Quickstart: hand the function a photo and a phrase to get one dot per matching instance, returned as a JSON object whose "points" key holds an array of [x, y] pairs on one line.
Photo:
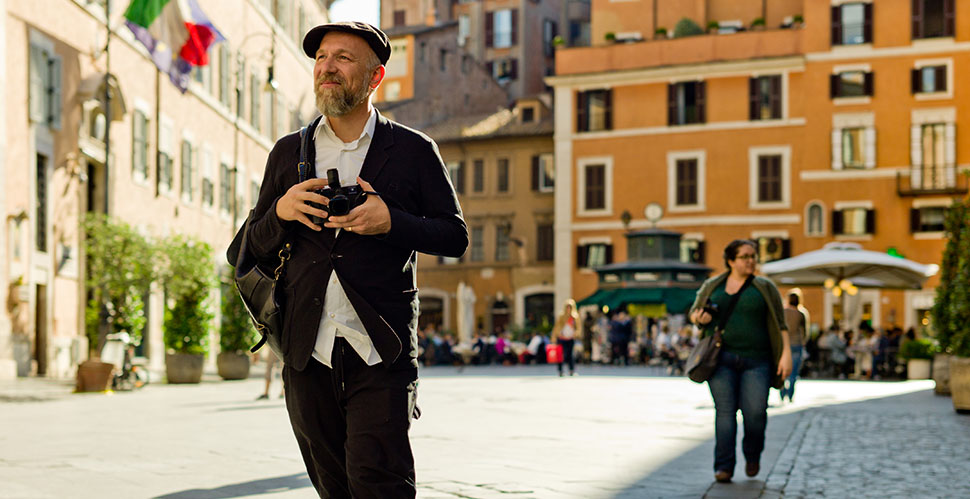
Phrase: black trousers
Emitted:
{"points": [[351, 423]]}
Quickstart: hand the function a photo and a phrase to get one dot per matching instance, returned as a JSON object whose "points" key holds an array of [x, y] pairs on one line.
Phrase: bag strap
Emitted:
{"points": [[303, 167], [734, 301]]}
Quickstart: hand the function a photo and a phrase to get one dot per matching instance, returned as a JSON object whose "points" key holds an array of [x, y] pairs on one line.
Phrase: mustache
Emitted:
{"points": [[330, 78]]}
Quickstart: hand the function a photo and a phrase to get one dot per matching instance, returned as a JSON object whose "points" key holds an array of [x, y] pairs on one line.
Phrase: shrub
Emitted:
{"points": [[660, 31], [758, 21], [944, 327], [687, 27], [713, 25], [610, 36], [188, 276], [797, 19], [959, 306], [236, 332], [921, 348]]}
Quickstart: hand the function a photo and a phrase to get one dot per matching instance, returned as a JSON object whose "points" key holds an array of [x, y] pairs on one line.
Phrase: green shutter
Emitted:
{"points": [[38, 67], [54, 105]]}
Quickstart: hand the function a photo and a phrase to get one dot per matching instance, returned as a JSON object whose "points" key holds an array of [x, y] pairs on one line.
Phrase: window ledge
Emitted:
{"points": [[937, 41], [928, 235], [770, 206], [851, 101], [593, 213], [934, 96], [686, 209], [853, 237]]}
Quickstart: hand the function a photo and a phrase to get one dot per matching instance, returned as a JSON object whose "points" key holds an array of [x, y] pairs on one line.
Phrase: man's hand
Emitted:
{"points": [[292, 206], [370, 218]]}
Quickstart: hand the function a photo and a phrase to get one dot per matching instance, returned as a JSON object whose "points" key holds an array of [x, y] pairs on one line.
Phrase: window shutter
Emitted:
{"points": [[515, 26], [609, 254], [776, 97], [701, 92], [915, 154], [835, 86], [490, 68], [867, 26], [916, 85], [914, 220], [608, 108], [489, 29], [837, 25], [950, 149], [38, 66], [870, 221], [868, 84], [582, 118], [753, 101], [940, 77], [949, 17], [837, 149], [785, 248], [672, 103], [514, 69], [535, 173], [837, 221], [54, 93], [700, 252], [870, 137], [917, 19], [582, 251], [460, 178]]}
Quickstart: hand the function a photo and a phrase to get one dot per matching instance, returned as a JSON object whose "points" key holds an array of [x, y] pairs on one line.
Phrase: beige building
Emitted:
{"points": [[176, 163]]}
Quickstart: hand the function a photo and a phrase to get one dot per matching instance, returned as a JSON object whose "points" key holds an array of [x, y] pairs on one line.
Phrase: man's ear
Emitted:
{"points": [[377, 77]]}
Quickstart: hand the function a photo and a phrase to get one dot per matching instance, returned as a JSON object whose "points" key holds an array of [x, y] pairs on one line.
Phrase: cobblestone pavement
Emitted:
{"points": [[494, 432]]}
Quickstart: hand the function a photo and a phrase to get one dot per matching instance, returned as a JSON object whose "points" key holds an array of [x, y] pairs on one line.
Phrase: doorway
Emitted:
{"points": [[40, 330]]}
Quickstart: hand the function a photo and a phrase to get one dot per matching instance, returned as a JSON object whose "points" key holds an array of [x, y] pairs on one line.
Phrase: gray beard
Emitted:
{"points": [[339, 101]]}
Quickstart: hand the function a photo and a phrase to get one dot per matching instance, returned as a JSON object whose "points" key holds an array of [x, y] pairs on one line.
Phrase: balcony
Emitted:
{"points": [[679, 51], [927, 181]]}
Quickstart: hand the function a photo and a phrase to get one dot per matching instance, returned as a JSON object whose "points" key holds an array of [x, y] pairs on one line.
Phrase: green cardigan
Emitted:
{"points": [[776, 322]]}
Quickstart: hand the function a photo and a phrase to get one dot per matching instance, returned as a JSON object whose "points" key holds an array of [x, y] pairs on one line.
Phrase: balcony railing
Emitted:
{"points": [[929, 180]]}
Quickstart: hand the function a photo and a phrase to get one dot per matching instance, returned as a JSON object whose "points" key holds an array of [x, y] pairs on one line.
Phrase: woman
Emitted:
{"points": [[795, 321], [755, 355], [564, 333]]}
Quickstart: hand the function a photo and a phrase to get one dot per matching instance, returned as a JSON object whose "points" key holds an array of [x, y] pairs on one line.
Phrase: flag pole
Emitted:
{"points": [[107, 102], [158, 131]]}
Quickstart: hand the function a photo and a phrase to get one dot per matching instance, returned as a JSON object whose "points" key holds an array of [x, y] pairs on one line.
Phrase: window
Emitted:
{"points": [[422, 52], [933, 155], [504, 70], [528, 114], [814, 218], [225, 188], [540, 310], [392, 91], [544, 243], [501, 28], [188, 171], [692, 251], [139, 146], [400, 18], [40, 208], [254, 102], [769, 179], [443, 60], [852, 24], [595, 195], [686, 182], [45, 87], [933, 18], [592, 255], [773, 248], [765, 98], [477, 253], [397, 64], [456, 169], [853, 147], [253, 193], [464, 29], [929, 79], [543, 173], [223, 74], [478, 176], [207, 186], [240, 86], [594, 110], [549, 32], [503, 175], [927, 219], [851, 84], [502, 242], [853, 221], [685, 103], [466, 64], [163, 179]]}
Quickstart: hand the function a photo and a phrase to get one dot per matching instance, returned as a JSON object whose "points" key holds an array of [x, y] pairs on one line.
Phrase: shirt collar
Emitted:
{"points": [[368, 131]]}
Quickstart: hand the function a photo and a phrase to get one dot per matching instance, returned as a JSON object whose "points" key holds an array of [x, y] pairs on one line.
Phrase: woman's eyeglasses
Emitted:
{"points": [[750, 256]]}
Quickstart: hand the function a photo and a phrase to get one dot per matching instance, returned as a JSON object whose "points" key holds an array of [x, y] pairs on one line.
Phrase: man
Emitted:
{"points": [[349, 293]]}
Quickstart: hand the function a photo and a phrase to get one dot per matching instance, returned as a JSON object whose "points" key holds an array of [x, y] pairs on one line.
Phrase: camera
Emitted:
{"points": [[342, 198], [711, 309]]}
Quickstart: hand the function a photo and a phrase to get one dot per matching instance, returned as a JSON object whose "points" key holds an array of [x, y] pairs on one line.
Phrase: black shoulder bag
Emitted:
{"points": [[702, 361], [256, 287]]}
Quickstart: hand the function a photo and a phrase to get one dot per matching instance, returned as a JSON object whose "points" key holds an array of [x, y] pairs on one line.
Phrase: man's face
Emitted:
{"points": [[342, 79]]}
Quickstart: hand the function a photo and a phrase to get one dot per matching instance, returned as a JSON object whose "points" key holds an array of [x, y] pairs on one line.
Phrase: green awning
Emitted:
{"points": [[677, 300]]}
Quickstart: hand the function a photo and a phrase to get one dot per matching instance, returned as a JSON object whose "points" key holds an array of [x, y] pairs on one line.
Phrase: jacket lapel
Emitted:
{"points": [[377, 155]]}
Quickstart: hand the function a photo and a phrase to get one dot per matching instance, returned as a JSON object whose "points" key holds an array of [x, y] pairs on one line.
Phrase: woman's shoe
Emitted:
{"points": [[722, 476]]}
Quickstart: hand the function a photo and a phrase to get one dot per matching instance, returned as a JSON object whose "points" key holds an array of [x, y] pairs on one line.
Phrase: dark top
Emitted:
{"points": [[746, 332]]}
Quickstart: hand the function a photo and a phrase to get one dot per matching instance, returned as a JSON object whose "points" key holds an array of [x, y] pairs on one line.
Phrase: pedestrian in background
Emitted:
{"points": [[564, 333], [271, 362], [621, 329], [755, 355], [795, 320]]}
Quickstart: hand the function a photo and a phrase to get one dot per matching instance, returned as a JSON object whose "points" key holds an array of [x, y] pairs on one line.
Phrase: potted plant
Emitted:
{"points": [[713, 26], [558, 41], [943, 327], [959, 318], [119, 269], [236, 334], [188, 276], [797, 21], [687, 27], [660, 33], [610, 37], [918, 354], [758, 24]]}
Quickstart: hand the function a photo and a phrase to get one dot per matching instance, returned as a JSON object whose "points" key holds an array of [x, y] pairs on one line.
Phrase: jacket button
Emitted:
{"points": [[316, 301]]}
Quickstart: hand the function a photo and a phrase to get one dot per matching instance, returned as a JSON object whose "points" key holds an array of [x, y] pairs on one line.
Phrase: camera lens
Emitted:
{"points": [[339, 205]]}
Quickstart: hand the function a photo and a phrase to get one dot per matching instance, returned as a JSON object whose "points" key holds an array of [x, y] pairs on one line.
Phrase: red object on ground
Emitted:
{"points": [[554, 354]]}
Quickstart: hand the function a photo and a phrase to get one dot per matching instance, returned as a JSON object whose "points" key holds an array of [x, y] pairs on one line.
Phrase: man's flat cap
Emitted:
{"points": [[373, 36]]}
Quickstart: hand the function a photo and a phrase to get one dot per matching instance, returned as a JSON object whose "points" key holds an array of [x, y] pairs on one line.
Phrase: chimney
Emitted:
{"points": [[431, 19]]}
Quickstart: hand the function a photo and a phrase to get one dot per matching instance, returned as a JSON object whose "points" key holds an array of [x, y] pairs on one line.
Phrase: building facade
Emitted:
{"points": [[159, 160], [794, 123]]}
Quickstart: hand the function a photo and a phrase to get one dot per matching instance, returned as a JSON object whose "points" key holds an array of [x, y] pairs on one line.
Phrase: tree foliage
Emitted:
{"points": [[959, 301], [944, 325], [187, 275], [687, 27]]}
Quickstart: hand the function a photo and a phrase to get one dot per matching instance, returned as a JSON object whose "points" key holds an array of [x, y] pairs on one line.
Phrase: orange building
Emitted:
{"points": [[794, 123]]}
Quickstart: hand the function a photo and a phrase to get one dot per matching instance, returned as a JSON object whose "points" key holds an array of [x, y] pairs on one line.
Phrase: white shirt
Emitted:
{"points": [[339, 317]]}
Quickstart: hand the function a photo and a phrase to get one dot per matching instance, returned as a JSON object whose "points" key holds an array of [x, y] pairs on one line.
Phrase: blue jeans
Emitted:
{"points": [[788, 390], [739, 383]]}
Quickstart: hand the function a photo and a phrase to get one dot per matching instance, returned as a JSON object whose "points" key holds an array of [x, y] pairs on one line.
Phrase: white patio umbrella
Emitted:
{"points": [[839, 261]]}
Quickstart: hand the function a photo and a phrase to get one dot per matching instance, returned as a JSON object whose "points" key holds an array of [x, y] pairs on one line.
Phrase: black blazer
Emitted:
{"points": [[378, 273]]}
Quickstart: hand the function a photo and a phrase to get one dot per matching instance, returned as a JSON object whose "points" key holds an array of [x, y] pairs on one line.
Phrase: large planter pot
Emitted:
{"points": [[960, 383], [183, 367], [918, 369], [93, 376], [941, 373], [232, 365]]}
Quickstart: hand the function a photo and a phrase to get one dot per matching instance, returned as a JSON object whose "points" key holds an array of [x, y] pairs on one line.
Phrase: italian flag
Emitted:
{"points": [[176, 33]]}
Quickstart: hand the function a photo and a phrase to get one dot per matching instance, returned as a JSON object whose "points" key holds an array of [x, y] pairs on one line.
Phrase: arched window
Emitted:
{"points": [[814, 219]]}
